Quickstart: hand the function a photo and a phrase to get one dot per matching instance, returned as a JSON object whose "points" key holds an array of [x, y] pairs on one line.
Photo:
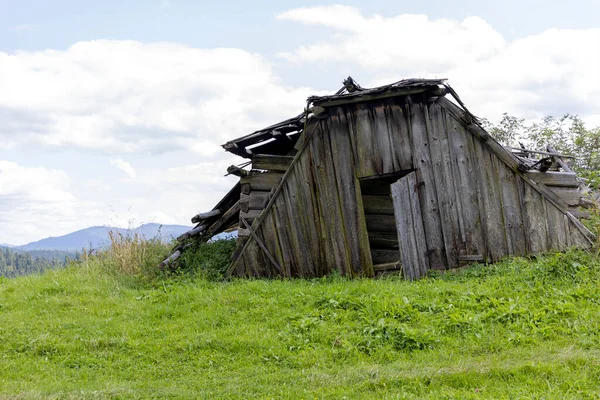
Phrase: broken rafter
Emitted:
{"points": [[193, 232], [546, 153], [557, 156], [203, 216], [173, 257], [237, 171]]}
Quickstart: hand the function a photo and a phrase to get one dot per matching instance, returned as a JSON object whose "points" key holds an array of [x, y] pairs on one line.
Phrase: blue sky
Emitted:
{"points": [[112, 112]]}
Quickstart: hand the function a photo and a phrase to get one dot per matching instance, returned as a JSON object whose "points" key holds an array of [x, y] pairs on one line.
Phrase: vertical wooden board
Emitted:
{"points": [[366, 149], [490, 206], [578, 239], [481, 160], [349, 197], [382, 139], [271, 242], [251, 259], [349, 116], [515, 229], [398, 128], [240, 269], [534, 216], [552, 234], [467, 188], [567, 228], [320, 206], [497, 210], [281, 226], [427, 192], [558, 226], [411, 232], [306, 190], [330, 203], [357, 238], [405, 229], [444, 180], [304, 265]]}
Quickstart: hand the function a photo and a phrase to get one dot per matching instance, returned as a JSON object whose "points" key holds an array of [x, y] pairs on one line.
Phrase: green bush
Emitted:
{"points": [[209, 260]]}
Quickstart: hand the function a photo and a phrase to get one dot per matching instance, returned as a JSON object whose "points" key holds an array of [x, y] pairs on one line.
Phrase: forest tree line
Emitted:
{"points": [[15, 263]]}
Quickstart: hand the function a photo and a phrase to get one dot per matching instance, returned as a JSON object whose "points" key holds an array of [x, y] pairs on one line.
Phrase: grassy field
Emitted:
{"points": [[521, 329]]}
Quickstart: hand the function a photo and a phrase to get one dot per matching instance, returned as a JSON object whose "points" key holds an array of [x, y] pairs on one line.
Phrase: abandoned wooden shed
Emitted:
{"points": [[398, 177]]}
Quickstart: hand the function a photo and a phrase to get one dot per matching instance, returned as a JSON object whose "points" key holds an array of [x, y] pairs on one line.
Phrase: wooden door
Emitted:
{"points": [[409, 222]]}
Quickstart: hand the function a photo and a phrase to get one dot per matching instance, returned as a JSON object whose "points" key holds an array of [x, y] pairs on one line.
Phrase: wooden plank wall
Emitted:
{"points": [[474, 206], [308, 229]]}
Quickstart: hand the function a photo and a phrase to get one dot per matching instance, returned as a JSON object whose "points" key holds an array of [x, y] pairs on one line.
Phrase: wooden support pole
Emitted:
{"points": [[193, 232], [173, 257], [237, 171], [202, 216]]}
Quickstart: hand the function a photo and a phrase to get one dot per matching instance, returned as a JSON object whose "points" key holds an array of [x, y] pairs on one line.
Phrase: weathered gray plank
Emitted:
{"points": [[257, 200], [534, 218], [393, 266], [380, 223], [558, 238], [383, 141], [578, 238], [271, 162], [492, 220], [311, 214], [515, 232], [444, 180], [467, 187], [377, 204], [427, 190], [283, 227], [331, 224], [366, 150], [250, 215], [411, 232], [266, 252], [570, 195], [304, 263], [399, 134], [264, 181], [383, 240], [384, 256], [550, 178], [348, 191]]}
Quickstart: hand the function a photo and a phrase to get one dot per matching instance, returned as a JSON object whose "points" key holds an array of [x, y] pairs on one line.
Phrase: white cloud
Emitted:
{"points": [[553, 72], [126, 96], [36, 202], [124, 166]]}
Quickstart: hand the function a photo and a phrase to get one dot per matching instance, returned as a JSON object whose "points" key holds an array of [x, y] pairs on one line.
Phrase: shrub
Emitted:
{"points": [[209, 260]]}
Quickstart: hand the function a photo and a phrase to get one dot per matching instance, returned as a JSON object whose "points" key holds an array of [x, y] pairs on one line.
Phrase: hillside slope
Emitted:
{"points": [[97, 236], [519, 329]]}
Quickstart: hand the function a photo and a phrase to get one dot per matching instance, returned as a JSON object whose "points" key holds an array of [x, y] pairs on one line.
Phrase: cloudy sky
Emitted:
{"points": [[112, 112]]}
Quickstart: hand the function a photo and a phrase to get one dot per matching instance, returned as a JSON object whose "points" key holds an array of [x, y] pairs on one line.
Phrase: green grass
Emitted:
{"points": [[520, 329]]}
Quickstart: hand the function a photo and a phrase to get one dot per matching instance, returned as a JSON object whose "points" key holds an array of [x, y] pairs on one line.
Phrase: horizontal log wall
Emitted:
{"points": [[474, 205]]}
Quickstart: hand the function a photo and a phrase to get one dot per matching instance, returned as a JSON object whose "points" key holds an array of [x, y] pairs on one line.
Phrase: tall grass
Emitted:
{"points": [[135, 256], [131, 255]]}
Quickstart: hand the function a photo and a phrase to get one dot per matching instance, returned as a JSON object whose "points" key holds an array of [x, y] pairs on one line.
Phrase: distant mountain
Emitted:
{"points": [[6, 245], [97, 237]]}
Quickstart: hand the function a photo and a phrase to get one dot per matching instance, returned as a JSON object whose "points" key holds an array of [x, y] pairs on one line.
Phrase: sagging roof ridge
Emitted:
{"points": [[351, 91]]}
